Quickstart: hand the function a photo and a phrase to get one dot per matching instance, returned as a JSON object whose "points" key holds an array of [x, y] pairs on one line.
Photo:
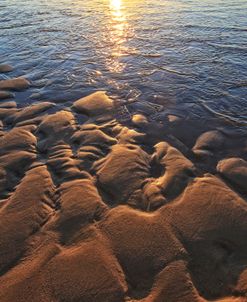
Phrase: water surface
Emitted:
{"points": [[181, 51]]}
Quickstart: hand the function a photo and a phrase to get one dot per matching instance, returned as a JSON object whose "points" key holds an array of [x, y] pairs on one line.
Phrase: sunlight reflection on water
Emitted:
{"points": [[117, 36], [116, 6]]}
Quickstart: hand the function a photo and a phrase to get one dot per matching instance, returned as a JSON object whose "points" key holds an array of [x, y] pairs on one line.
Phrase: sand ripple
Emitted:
{"points": [[95, 208]]}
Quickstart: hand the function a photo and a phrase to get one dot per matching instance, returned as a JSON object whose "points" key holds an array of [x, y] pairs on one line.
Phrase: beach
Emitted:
{"points": [[123, 151], [96, 206]]}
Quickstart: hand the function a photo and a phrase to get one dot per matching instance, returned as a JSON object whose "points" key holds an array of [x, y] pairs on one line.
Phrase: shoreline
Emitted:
{"points": [[95, 206]]}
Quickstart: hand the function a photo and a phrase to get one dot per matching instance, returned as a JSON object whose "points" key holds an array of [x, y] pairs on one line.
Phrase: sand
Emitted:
{"points": [[113, 210]]}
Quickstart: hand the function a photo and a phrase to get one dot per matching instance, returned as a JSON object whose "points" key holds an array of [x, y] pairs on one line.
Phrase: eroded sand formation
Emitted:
{"points": [[109, 211]]}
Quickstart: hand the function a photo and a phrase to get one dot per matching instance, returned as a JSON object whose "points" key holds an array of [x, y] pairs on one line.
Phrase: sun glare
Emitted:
{"points": [[116, 4]]}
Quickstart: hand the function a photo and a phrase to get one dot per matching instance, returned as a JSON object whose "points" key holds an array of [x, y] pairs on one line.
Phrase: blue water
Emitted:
{"points": [[181, 52]]}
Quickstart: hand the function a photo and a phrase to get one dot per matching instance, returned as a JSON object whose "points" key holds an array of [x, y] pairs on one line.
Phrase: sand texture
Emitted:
{"points": [[95, 208]]}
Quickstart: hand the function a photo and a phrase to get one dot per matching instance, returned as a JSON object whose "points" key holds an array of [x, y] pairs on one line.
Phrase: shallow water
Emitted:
{"points": [[183, 52]]}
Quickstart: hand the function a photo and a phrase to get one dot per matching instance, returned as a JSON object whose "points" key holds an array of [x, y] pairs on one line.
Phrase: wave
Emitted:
{"points": [[229, 46], [208, 27]]}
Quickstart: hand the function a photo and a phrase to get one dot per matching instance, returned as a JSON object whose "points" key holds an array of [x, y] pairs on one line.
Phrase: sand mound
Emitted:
{"points": [[111, 211], [6, 68], [6, 95], [94, 104], [14, 84], [235, 170]]}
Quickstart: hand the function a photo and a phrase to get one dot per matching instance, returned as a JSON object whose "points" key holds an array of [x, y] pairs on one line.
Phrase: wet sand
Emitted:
{"points": [[103, 201]]}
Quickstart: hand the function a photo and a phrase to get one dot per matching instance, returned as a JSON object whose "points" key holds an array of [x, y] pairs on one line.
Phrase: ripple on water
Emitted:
{"points": [[186, 50]]}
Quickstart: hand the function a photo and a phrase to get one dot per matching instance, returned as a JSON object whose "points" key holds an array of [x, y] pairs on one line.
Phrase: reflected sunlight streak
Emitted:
{"points": [[116, 4], [118, 32]]}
